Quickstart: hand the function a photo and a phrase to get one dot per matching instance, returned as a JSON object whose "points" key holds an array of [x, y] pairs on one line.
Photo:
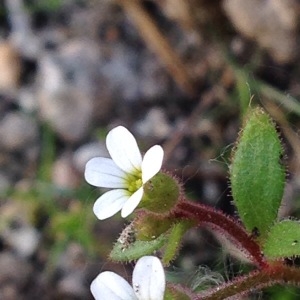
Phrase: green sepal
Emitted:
{"points": [[168, 295], [256, 174], [175, 294], [149, 226], [174, 240], [283, 240], [135, 250], [161, 194]]}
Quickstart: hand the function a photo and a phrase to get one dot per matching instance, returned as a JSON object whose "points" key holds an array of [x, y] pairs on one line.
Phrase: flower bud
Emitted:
{"points": [[161, 193], [149, 226]]}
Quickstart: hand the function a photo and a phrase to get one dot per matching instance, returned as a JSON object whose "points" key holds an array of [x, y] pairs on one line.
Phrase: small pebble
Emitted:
{"points": [[13, 269], [64, 175], [23, 240], [17, 131], [10, 67], [68, 111], [155, 124], [271, 23], [87, 151]]}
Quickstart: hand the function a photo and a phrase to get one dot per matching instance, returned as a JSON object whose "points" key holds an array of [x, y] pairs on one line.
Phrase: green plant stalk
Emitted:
{"points": [[243, 73], [289, 102], [243, 91]]}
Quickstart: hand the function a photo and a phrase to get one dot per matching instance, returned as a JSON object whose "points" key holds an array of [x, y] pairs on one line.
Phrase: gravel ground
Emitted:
{"points": [[177, 73]]}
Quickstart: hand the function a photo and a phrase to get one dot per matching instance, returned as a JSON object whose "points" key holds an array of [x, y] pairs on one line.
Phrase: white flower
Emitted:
{"points": [[148, 283], [126, 173]]}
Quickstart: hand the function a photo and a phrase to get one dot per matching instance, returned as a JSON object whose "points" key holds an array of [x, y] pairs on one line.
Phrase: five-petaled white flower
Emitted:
{"points": [[148, 283], [125, 173]]}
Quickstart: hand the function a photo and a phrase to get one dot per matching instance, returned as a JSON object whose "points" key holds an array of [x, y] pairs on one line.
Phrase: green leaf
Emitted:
{"points": [[137, 249], [283, 240], [257, 175]]}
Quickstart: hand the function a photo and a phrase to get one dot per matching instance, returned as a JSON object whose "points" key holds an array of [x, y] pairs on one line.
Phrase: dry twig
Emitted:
{"points": [[157, 42]]}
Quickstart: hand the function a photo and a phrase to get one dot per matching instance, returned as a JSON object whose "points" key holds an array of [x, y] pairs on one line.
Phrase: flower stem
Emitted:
{"points": [[276, 274], [205, 215]]}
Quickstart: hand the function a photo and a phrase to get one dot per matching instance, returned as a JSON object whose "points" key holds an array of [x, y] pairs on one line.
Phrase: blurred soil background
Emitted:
{"points": [[176, 73]]}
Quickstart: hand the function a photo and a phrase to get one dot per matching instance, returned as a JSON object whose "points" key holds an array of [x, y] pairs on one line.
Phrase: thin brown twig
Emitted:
{"points": [[157, 42]]}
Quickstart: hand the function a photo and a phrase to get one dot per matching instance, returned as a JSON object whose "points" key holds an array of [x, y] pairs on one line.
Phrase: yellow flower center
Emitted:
{"points": [[134, 181]]}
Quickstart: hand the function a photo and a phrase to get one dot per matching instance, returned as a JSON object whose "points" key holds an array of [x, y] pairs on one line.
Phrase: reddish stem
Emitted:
{"points": [[269, 272], [206, 215], [274, 274]]}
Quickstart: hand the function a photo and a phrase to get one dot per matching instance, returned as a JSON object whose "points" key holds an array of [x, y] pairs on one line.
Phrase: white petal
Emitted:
{"points": [[123, 149], [110, 203], [152, 162], [103, 172], [110, 286], [132, 202], [148, 279]]}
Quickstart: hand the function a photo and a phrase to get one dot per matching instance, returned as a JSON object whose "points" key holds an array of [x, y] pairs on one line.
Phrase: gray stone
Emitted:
{"points": [[73, 285], [64, 174], [17, 131], [68, 111], [14, 270], [87, 151], [66, 89], [24, 240], [155, 124], [27, 99], [271, 23]]}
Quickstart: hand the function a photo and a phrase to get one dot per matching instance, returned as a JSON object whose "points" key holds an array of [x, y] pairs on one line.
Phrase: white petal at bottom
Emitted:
{"points": [[148, 279], [110, 286]]}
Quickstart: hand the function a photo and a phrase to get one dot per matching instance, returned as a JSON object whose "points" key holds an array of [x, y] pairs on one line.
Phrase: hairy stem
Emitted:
{"points": [[273, 274], [205, 215]]}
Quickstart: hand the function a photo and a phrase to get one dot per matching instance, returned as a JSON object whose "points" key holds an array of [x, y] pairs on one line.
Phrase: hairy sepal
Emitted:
{"points": [[137, 249], [174, 240]]}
